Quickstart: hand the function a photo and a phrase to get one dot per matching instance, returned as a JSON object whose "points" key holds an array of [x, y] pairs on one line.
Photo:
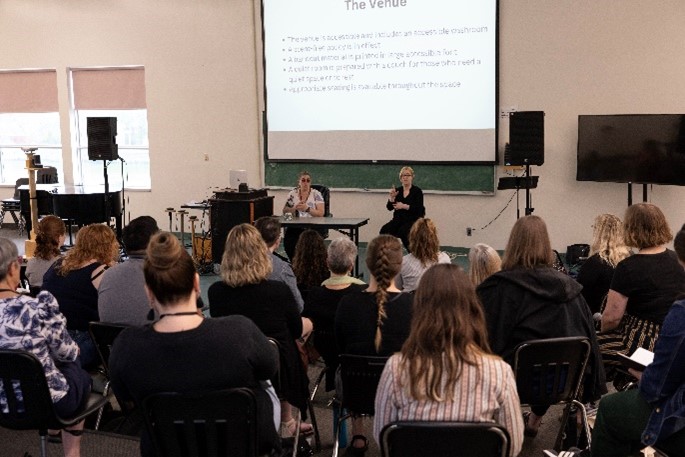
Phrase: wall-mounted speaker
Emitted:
{"points": [[102, 138], [526, 138]]}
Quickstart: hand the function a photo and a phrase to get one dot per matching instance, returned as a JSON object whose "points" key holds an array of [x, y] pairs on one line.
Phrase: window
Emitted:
{"points": [[28, 117], [119, 93]]}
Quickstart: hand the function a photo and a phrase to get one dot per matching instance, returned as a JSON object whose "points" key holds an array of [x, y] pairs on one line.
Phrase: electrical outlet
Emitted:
{"points": [[469, 231]]}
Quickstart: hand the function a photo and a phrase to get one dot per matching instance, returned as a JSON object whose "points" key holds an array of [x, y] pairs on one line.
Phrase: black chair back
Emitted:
{"points": [[212, 424], [104, 334], [444, 439], [326, 194], [360, 376]]}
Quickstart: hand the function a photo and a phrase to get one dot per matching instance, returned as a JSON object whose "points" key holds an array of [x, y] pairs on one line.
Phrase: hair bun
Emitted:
{"points": [[164, 251]]}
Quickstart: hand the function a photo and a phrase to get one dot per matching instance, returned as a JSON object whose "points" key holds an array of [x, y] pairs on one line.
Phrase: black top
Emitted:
{"points": [[415, 201], [271, 305], [75, 293], [595, 276], [218, 354], [651, 282], [355, 323], [535, 303]]}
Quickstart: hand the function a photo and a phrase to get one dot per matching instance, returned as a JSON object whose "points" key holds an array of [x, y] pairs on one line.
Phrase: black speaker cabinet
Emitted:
{"points": [[526, 138], [102, 138]]}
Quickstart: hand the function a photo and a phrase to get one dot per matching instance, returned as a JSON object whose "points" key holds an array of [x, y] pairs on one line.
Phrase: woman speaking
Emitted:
{"points": [[406, 202]]}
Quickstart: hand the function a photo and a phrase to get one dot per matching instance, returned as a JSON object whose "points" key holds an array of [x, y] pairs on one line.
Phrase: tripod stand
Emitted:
{"points": [[527, 182]]}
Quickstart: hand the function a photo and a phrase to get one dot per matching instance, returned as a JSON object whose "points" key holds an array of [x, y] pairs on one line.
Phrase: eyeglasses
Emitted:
{"points": [[305, 180], [405, 176]]}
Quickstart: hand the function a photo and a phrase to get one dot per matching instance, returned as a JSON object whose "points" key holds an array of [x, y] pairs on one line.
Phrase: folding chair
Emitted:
{"points": [[27, 400], [212, 424], [549, 372], [444, 439], [360, 376]]}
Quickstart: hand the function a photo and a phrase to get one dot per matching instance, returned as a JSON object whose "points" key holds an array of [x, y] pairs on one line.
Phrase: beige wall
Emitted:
{"points": [[565, 57]]}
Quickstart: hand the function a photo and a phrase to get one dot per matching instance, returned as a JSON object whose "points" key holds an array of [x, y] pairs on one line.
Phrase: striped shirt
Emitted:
{"points": [[485, 392], [413, 269]]}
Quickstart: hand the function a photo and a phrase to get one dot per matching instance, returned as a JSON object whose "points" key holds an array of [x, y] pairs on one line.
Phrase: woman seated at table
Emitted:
{"points": [[244, 289], [424, 251], [183, 352], [303, 201], [606, 251], [406, 203], [643, 287], [309, 264], [445, 371], [484, 261], [74, 281], [376, 320], [50, 237], [322, 301], [36, 325]]}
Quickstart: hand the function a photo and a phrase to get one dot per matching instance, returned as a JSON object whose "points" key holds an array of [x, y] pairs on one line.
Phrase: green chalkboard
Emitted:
{"points": [[454, 178]]}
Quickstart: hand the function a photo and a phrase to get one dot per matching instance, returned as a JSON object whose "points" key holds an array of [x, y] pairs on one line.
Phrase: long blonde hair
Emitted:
{"points": [[607, 239], [93, 242], [483, 262], [384, 261], [447, 331], [246, 258]]}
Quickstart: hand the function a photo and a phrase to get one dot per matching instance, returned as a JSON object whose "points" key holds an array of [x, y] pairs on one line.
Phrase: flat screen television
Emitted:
{"points": [[632, 148]]}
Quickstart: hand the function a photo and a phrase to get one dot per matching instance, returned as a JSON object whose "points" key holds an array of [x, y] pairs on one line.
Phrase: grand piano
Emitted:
{"points": [[79, 205]]}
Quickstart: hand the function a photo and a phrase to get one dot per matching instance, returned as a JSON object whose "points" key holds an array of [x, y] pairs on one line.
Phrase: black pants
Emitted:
{"points": [[398, 228]]}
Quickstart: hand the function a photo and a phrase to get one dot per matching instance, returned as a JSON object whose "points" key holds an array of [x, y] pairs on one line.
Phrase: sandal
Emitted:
{"points": [[55, 437], [528, 430], [352, 451]]}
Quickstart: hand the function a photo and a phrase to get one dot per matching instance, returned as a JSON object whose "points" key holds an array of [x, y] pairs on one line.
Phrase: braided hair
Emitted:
{"points": [[384, 261]]}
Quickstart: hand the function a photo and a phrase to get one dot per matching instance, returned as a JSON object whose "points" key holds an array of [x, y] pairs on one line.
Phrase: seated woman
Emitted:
{"points": [[530, 300], [36, 325], [406, 203], [74, 281], [219, 353], [244, 289], [309, 263], [50, 235], [424, 251], [303, 201], [322, 301], [643, 287], [376, 320], [445, 371], [483, 262], [606, 251]]}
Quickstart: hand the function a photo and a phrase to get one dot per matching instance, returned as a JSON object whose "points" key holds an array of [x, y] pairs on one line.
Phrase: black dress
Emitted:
{"points": [[403, 219], [595, 276]]}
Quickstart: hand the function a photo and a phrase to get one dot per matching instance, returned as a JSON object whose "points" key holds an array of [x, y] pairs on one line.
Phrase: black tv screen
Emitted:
{"points": [[637, 148]]}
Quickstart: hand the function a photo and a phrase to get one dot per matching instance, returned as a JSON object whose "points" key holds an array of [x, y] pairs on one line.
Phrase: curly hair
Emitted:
{"points": [[93, 242], [50, 229], [483, 262], [309, 262], [168, 268], [645, 226], [447, 330], [246, 259], [607, 239], [528, 245], [423, 241], [384, 261]]}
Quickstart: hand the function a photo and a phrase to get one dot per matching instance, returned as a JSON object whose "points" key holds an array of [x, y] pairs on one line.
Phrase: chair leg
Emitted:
{"points": [[105, 392], [2, 217], [319, 379], [586, 425], [342, 417], [317, 437], [43, 443]]}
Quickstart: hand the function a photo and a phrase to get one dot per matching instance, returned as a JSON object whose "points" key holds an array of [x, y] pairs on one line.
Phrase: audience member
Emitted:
{"points": [[530, 300], [309, 264], [406, 203], [121, 295], [445, 371], [376, 320], [643, 287], [217, 353], [424, 251], [303, 201], [322, 301], [483, 262], [607, 249], [244, 289], [74, 280], [270, 229], [50, 237], [36, 325]]}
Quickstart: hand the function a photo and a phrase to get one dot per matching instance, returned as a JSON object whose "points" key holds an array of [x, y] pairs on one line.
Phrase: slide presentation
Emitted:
{"points": [[381, 80]]}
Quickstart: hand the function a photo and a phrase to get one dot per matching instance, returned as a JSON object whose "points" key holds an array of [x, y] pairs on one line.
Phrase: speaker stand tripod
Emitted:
{"points": [[527, 182]]}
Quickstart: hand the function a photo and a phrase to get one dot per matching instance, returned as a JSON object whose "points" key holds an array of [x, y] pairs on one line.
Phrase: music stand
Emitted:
{"points": [[520, 182]]}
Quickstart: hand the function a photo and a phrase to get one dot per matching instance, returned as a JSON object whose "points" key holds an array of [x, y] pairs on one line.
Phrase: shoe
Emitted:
{"points": [[571, 452], [529, 430], [55, 437], [352, 451]]}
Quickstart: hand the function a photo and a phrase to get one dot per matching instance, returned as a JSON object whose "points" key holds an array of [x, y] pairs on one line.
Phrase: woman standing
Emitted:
{"points": [[424, 251], [303, 201], [374, 321], [406, 203], [74, 282], [445, 371], [50, 237]]}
